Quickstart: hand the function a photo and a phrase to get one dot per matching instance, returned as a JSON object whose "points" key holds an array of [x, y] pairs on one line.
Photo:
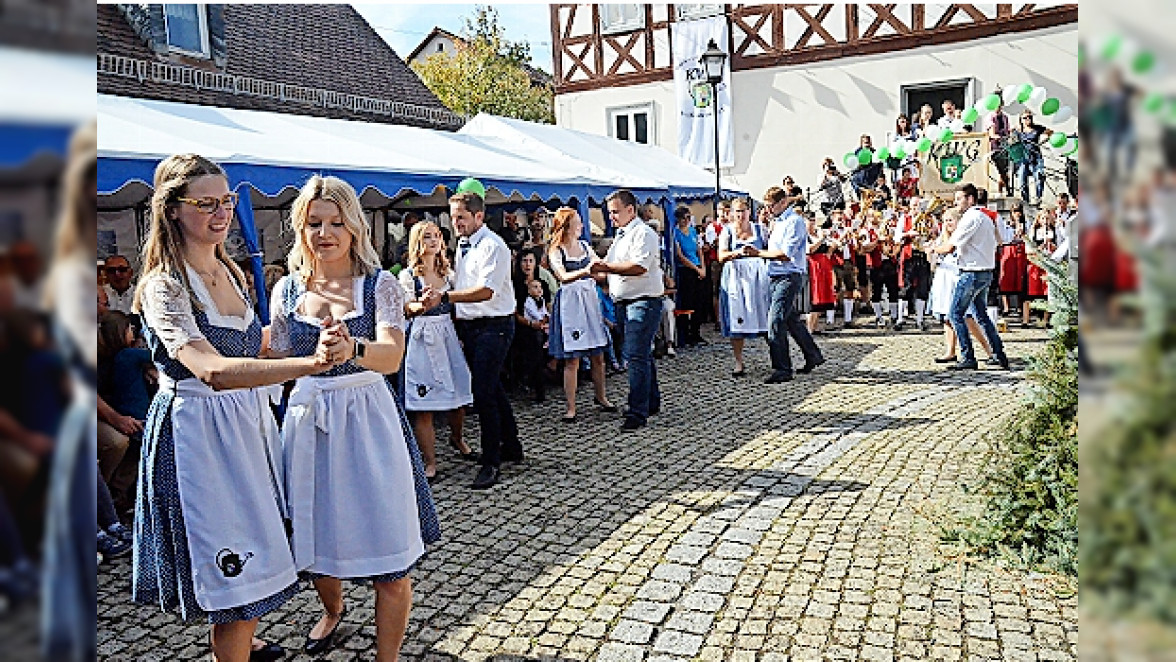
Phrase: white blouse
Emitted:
{"points": [[389, 308], [167, 309]]}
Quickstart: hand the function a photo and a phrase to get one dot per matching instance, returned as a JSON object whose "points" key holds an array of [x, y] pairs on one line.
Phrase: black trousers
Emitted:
{"points": [[691, 296], [886, 275], [485, 343]]}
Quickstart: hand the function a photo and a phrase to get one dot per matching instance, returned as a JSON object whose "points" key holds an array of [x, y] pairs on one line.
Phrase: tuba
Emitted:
{"points": [[922, 223]]}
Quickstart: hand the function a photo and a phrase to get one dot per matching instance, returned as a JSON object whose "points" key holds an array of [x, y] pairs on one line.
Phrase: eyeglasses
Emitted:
{"points": [[118, 270], [212, 205]]}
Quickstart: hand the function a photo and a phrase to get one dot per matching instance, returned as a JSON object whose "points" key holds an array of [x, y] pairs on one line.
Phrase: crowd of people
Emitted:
{"points": [[216, 430]]}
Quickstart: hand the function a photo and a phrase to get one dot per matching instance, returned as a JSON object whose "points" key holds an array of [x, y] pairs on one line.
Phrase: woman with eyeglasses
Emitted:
{"points": [[1031, 134], [210, 541]]}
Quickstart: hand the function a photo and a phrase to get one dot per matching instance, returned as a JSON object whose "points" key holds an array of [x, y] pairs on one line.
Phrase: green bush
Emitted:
{"points": [[1128, 514]]}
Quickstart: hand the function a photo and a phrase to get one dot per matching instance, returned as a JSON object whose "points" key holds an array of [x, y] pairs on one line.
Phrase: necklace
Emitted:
{"points": [[210, 277]]}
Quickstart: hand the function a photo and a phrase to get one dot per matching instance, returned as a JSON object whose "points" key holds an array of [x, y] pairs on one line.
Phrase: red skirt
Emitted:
{"points": [[1014, 264], [822, 280], [1038, 285], [1096, 269], [1126, 275]]}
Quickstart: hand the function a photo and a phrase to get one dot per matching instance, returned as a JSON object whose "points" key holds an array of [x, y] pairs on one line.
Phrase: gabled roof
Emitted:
{"points": [[436, 31], [328, 47]]}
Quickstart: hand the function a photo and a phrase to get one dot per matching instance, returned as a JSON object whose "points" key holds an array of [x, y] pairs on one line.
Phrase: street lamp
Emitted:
{"points": [[712, 62]]}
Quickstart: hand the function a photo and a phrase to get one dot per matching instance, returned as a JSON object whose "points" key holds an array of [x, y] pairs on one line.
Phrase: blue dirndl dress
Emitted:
{"points": [[577, 325], [744, 289], [359, 501], [210, 541]]}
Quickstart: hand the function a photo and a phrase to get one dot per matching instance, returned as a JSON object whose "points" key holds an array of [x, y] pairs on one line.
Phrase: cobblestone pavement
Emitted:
{"points": [[784, 522]]}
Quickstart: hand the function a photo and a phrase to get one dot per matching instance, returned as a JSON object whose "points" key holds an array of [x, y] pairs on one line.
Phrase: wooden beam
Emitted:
{"points": [[556, 45], [599, 55]]}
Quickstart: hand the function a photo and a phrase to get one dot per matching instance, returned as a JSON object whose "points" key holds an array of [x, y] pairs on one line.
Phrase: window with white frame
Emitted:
{"points": [[187, 29], [697, 11], [635, 123], [621, 18]]}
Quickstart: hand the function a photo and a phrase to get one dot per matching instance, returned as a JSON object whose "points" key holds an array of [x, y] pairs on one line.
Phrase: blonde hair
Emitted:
{"points": [[364, 259], [163, 250], [77, 224], [416, 250], [742, 202], [560, 224]]}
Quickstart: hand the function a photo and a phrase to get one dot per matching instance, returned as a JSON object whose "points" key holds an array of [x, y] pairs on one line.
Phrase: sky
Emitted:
{"points": [[403, 26]]}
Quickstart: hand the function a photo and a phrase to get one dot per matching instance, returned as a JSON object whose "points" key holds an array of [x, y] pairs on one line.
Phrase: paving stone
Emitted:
{"points": [[678, 643]]}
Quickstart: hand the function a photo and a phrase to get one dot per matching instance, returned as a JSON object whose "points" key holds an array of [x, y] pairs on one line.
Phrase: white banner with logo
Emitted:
{"points": [[696, 123]]}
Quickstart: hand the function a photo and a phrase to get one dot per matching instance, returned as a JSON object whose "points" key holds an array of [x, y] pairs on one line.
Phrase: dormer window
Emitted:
{"points": [[187, 29]]}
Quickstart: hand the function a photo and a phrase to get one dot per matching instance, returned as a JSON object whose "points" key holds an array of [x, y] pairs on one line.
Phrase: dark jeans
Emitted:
{"points": [[640, 320], [884, 275], [691, 297], [784, 320], [485, 343], [972, 292]]}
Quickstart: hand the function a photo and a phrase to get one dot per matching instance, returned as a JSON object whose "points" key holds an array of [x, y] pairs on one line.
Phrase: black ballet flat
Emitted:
{"points": [[567, 419], [606, 408], [941, 359], [738, 373], [267, 653], [319, 646]]}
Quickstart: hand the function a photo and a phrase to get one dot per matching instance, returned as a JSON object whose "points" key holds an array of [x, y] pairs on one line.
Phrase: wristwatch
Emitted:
{"points": [[360, 349]]}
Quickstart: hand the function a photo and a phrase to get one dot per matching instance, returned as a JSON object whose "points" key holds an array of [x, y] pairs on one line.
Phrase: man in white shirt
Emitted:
{"points": [[484, 303], [975, 239], [119, 283], [635, 282]]}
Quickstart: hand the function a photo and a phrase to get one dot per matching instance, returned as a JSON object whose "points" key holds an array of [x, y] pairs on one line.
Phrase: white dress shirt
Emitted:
{"points": [[120, 302], [636, 243], [975, 241], [486, 263]]}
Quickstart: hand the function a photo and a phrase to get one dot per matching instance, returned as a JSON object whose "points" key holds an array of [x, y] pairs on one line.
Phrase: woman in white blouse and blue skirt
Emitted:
{"points": [[577, 320], [744, 286], [210, 542], [359, 501], [436, 377]]}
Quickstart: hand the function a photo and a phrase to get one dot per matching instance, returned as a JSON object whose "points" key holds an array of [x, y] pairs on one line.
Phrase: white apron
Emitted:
{"points": [[436, 377], [580, 317], [227, 449], [746, 285], [349, 478], [943, 283]]}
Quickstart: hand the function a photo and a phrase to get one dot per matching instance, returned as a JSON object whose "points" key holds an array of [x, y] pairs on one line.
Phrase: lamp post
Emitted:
{"points": [[712, 62]]}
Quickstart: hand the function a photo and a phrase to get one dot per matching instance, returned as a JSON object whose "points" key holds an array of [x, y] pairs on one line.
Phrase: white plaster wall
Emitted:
{"points": [[788, 119]]}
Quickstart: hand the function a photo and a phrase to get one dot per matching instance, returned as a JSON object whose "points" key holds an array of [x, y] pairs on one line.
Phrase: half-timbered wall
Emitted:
{"points": [[589, 55]]}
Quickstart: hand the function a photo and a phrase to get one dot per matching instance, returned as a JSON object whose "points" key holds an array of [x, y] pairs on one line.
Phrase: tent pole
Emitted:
{"points": [[249, 233]]}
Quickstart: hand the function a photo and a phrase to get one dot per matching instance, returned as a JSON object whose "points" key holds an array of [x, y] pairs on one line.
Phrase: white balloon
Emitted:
{"points": [[1038, 96], [1071, 143], [957, 126], [1064, 113], [1009, 94]]}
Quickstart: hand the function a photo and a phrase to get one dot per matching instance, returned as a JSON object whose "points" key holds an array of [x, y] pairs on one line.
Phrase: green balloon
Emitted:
{"points": [[1050, 106], [883, 153], [924, 144], [1072, 149], [865, 157], [1153, 103], [471, 185], [946, 135], [1024, 92], [1144, 62], [900, 153], [1057, 140], [1110, 50], [971, 115], [992, 101]]}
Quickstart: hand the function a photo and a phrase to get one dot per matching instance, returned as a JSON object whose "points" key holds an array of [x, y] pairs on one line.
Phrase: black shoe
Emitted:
{"points": [[567, 419], [739, 373], [778, 377], [992, 360], [632, 423], [962, 365], [945, 359], [809, 367], [610, 409], [471, 456], [268, 653], [487, 478], [320, 646], [1003, 362]]}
